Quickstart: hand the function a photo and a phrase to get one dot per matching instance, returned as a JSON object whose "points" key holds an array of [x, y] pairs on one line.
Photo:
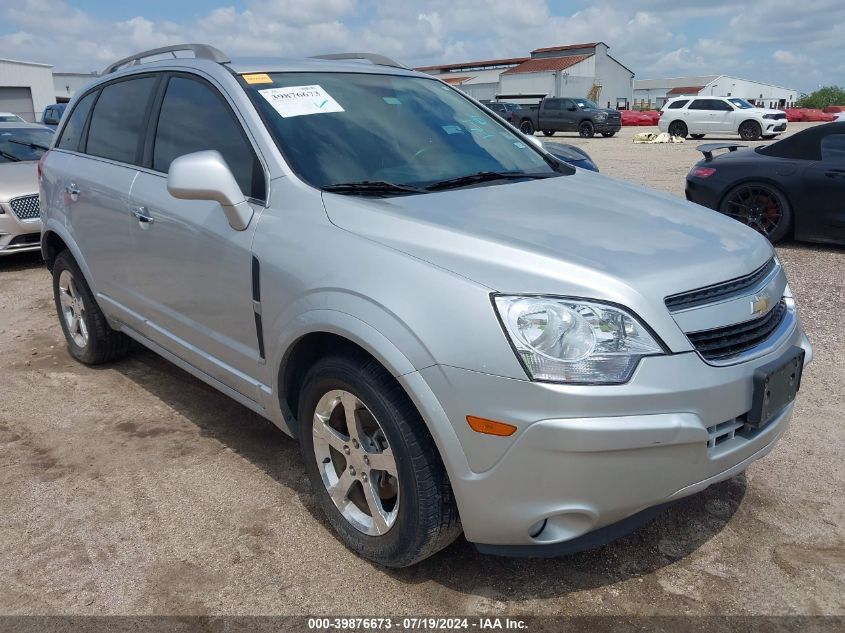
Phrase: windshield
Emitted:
{"points": [[340, 128], [22, 144], [586, 104], [742, 104], [10, 118]]}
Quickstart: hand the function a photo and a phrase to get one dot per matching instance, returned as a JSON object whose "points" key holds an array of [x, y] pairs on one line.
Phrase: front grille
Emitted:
{"points": [[724, 432], [719, 292], [26, 207], [724, 342]]}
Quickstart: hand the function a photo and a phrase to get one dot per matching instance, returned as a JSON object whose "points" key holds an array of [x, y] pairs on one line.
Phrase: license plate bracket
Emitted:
{"points": [[775, 386]]}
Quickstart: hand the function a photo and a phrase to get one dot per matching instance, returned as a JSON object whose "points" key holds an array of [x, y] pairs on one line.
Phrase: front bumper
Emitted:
{"points": [[775, 126], [608, 126], [16, 235], [584, 458]]}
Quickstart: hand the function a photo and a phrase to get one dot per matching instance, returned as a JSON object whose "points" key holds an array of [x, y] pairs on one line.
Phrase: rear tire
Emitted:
{"points": [[586, 129], [608, 134], [527, 127], [678, 128], [400, 519], [90, 338], [761, 206], [750, 131], [549, 132]]}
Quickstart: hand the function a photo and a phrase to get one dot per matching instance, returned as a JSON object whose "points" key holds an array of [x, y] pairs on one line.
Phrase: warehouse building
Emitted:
{"points": [[575, 70], [26, 88], [68, 84], [653, 93]]}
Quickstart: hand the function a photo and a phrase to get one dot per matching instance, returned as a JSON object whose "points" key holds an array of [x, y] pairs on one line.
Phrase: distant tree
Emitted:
{"points": [[823, 97]]}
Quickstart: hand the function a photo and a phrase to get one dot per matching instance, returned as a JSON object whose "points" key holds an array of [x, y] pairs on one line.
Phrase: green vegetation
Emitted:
{"points": [[823, 97]]}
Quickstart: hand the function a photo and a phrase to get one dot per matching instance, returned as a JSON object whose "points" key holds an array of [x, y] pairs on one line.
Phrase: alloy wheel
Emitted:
{"points": [[356, 462], [757, 206], [73, 309]]}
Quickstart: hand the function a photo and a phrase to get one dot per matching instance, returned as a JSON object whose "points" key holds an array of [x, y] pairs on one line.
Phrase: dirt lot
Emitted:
{"points": [[135, 489]]}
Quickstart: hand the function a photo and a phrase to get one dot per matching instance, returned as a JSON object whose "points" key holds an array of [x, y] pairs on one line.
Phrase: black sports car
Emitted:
{"points": [[795, 186]]}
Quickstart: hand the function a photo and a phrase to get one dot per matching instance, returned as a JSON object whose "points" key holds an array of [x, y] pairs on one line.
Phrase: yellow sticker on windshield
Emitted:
{"points": [[257, 78]]}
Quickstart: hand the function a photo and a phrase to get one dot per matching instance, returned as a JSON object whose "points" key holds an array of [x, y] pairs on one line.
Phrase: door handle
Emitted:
{"points": [[835, 173], [72, 189], [140, 214]]}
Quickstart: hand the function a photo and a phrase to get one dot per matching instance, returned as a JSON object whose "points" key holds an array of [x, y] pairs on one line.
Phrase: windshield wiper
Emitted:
{"points": [[9, 156], [30, 145], [375, 187], [484, 176]]}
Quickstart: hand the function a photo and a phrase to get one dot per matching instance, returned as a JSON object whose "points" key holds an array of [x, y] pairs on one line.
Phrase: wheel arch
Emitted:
{"points": [[320, 331], [55, 238]]}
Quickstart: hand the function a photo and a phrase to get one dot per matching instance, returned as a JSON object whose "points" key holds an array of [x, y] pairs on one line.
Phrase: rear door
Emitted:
{"points": [[191, 271], [698, 116], [97, 183], [551, 115]]}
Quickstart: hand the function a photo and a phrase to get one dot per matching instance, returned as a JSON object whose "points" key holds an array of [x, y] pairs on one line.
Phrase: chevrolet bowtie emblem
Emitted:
{"points": [[760, 304]]}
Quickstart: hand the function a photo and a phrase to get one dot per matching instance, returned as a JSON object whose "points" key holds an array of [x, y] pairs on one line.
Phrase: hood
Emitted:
{"points": [[18, 179], [580, 235], [765, 111]]}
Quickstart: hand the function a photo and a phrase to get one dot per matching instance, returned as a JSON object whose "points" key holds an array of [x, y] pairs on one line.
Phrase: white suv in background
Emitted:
{"points": [[697, 116]]}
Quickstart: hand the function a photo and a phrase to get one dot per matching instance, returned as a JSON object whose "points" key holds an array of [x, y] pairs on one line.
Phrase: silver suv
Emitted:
{"points": [[464, 333]]}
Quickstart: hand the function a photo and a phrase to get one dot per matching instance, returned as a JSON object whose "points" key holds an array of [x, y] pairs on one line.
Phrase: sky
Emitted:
{"points": [[792, 43]]}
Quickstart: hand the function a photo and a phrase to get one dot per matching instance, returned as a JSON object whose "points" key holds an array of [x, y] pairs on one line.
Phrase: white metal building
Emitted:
{"points": [[653, 93], [26, 88], [68, 84], [576, 70], [479, 79]]}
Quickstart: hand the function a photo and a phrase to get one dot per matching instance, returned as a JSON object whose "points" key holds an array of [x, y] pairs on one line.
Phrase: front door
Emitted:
{"points": [[192, 271], [825, 186]]}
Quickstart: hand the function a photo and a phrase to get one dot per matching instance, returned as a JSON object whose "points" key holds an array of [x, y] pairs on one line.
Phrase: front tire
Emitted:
{"points": [[761, 206], [678, 128], [90, 338], [586, 129], [696, 136], [750, 131], [548, 132], [527, 127], [372, 464], [608, 134]]}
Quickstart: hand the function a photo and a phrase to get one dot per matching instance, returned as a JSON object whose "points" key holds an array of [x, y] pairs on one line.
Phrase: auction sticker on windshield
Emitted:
{"points": [[300, 100]]}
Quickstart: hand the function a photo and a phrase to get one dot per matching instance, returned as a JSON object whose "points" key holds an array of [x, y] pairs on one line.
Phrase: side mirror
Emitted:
{"points": [[206, 176]]}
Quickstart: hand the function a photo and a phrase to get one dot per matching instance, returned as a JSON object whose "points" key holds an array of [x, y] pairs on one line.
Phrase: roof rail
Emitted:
{"points": [[201, 51], [373, 58]]}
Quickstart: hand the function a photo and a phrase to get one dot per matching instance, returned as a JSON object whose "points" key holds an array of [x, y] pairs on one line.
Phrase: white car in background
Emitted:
{"points": [[697, 116]]}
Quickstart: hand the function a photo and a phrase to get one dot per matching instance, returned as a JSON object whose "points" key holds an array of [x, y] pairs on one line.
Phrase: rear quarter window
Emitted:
{"points": [[677, 105], [72, 132], [833, 148]]}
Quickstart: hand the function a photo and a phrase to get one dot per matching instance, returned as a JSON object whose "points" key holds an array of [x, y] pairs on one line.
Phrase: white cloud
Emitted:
{"points": [[766, 39]]}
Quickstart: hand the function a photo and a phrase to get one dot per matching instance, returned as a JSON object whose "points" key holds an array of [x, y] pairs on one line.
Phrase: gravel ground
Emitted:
{"points": [[136, 489]]}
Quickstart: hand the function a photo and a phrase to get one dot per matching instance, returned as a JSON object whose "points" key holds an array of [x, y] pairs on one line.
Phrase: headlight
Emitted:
{"points": [[575, 341]]}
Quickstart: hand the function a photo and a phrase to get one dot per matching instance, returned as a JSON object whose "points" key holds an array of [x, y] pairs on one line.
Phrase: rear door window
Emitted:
{"points": [[119, 120], [700, 104], [553, 104], [195, 117], [73, 128]]}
